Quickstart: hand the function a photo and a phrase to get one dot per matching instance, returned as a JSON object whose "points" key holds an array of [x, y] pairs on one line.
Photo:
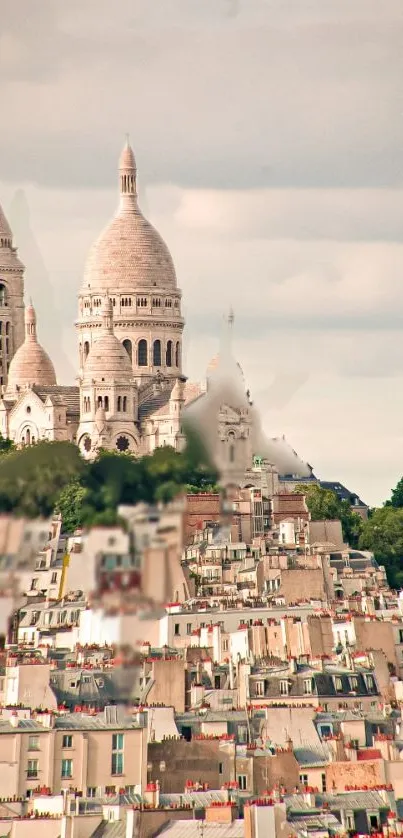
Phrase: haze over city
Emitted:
{"points": [[269, 151]]}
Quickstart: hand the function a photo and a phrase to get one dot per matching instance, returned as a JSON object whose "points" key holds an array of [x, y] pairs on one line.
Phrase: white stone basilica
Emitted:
{"points": [[131, 394]]}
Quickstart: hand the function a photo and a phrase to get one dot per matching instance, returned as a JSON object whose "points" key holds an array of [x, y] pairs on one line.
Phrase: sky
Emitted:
{"points": [[269, 145]]}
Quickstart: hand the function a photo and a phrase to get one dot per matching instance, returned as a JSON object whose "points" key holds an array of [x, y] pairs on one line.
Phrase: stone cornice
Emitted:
{"points": [[14, 269], [132, 324]]}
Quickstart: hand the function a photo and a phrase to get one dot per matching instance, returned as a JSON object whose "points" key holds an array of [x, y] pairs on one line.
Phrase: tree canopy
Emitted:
{"points": [[36, 480], [31, 478], [325, 505], [383, 535], [396, 499]]}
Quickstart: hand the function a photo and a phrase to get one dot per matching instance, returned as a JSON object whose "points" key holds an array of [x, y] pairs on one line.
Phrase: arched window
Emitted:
{"points": [[177, 355], [86, 349], [99, 402], [232, 453], [119, 404], [7, 328], [124, 404], [157, 353], [142, 353], [169, 354], [28, 436], [128, 347], [106, 400], [3, 295]]}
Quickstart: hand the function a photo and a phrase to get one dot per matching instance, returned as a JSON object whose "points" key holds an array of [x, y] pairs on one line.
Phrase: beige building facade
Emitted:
{"points": [[92, 754]]}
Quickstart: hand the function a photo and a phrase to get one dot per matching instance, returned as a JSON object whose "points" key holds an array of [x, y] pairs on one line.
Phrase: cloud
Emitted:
{"points": [[334, 214], [260, 99]]}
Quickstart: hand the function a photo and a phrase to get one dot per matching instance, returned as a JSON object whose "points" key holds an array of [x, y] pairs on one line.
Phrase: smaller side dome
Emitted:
{"points": [[30, 365]]}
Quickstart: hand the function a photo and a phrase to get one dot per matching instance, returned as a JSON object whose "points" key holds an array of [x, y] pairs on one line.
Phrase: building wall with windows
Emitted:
{"points": [[96, 761]]}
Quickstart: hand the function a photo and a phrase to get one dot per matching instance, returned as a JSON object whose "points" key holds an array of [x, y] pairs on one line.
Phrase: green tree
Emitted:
{"points": [[382, 533], [70, 504], [31, 478], [6, 445], [324, 505], [397, 496]]}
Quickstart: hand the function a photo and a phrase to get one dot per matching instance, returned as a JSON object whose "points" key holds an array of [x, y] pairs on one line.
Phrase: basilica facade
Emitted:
{"points": [[131, 394]]}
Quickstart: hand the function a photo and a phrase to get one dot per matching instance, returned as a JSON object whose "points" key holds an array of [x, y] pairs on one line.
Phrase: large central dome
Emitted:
{"points": [[130, 254]]}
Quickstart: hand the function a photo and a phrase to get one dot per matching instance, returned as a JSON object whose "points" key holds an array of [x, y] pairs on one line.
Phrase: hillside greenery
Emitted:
{"points": [[49, 476]]}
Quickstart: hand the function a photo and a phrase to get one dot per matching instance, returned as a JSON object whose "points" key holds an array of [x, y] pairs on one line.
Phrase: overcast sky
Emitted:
{"points": [[269, 145]]}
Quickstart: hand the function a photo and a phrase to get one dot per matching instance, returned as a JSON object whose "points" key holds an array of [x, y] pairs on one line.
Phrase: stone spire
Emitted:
{"points": [[127, 178], [30, 323], [6, 235], [107, 315]]}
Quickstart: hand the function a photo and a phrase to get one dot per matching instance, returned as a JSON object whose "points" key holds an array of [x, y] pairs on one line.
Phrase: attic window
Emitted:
{"points": [[28, 409]]}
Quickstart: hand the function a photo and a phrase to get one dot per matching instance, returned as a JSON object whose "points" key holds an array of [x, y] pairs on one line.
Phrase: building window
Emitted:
{"points": [[283, 687], [308, 686], [128, 347], [86, 349], [54, 578], [142, 353], [119, 404], [303, 778], [124, 404], [91, 791], [370, 683], [177, 355], [34, 583], [33, 743], [323, 783], [169, 354], [259, 688], [338, 683], [353, 684], [242, 782], [67, 768], [177, 629], [157, 353], [117, 753], [67, 740], [32, 770], [188, 628], [3, 295]]}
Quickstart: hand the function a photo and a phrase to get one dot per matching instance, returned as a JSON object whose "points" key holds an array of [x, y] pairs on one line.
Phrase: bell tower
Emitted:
{"points": [[11, 299]]}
